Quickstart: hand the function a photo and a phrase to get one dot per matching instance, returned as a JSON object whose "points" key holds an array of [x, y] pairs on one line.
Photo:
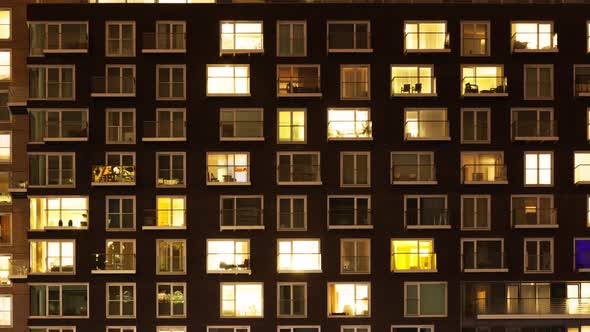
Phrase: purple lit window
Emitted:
{"points": [[582, 250]]}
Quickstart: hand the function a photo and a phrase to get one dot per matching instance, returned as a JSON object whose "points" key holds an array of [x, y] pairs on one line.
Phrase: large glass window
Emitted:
{"points": [[298, 80], [5, 147], [52, 256], [170, 81], [5, 228], [538, 255], [291, 38], [538, 82], [241, 124], [413, 81], [228, 80], [533, 37], [355, 82], [355, 256], [475, 212], [426, 124], [538, 168], [475, 125], [413, 168], [349, 212], [171, 300], [58, 300], [171, 169], [120, 127], [475, 38], [483, 167], [533, 124], [581, 167], [349, 124], [120, 300], [4, 110], [50, 82], [292, 299], [533, 211], [292, 213], [171, 256], [170, 213], [170, 125], [425, 299], [582, 80], [582, 254], [120, 38], [228, 256], [349, 36], [170, 36], [298, 168], [241, 300], [228, 168], [413, 255], [291, 125], [52, 169], [483, 255], [6, 310], [426, 36], [5, 65], [120, 213], [241, 212], [349, 299], [355, 169], [299, 256], [58, 37], [241, 37], [426, 211], [58, 212], [5, 24], [483, 80], [5, 269]]}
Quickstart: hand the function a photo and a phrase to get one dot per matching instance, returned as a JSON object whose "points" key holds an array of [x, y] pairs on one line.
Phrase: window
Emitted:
{"points": [[298, 328], [533, 211], [426, 211], [52, 169], [412, 328], [118, 258], [413, 255], [120, 213], [120, 38], [171, 169], [228, 328], [291, 125], [355, 82], [291, 299], [355, 328], [52, 256], [291, 38], [299, 168], [483, 255], [241, 37], [483, 80], [6, 310], [54, 212], [171, 82], [413, 168], [538, 168], [241, 124], [49, 125], [113, 329], [475, 38], [50, 82], [171, 256], [5, 23], [171, 328], [533, 37], [120, 128], [62, 329], [349, 36], [349, 212], [120, 300], [355, 256], [228, 168], [413, 81], [228, 80], [241, 300], [533, 124], [538, 255], [425, 299], [5, 229], [228, 256], [298, 81], [170, 125], [292, 213], [171, 300], [170, 37], [538, 82], [426, 36], [582, 80], [475, 212], [5, 65], [483, 167], [66, 300], [299, 256], [5, 269], [58, 37], [5, 147], [4, 110], [475, 125], [349, 299], [241, 212], [355, 169], [429, 124], [118, 169], [581, 167], [582, 254], [349, 124], [119, 81], [170, 213]]}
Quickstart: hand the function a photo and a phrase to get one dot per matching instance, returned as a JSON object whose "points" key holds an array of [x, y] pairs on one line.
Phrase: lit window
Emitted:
{"points": [[58, 212], [298, 81], [355, 256], [170, 81], [426, 124], [413, 168], [425, 299], [171, 328], [533, 37], [483, 167], [55, 256], [69, 329], [582, 254], [475, 38], [171, 257], [533, 124], [6, 182], [228, 256], [52, 169], [426, 36], [225, 168], [120, 38], [241, 212], [349, 36], [538, 255], [118, 169], [291, 125], [51, 82], [533, 211], [355, 82], [298, 168], [349, 124], [300, 256], [241, 124], [475, 125], [408, 81], [171, 169], [5, 65], [349, 212], [241, 300], [5, 22], [5, 310], [120, 300], [118, 257], [58, 37], [426, 211], [538, 168], [581, 167], [5, 269], [588, 36], [120, 212], [170, 213], [483, 80], [291, 213], [475, 212], [291, 38], [355, 169], [109, 329], [53, 300], [292, 299], [171, 300], [413, 255], [120, 127], [228, 80], [5, 228], [483, 255], [349, 299], [241, 37], [538, 82]]}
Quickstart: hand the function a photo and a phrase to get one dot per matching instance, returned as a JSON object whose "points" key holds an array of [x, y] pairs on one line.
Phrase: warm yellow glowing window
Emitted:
{"points": [[4, 269], [349, 299], [5, 66], [413, 255], [245, 37], [171, 211], [538, 168], [533, 36], [5, 24], [429, 124], [52, 256], [58, 212], [412, 80], [582, 167], [349, 123], [228, 80], [228, 168], [241, 300], [299, 256], [483, 167], [291, 123], [483, 80], [228, 256], [427, 36]]}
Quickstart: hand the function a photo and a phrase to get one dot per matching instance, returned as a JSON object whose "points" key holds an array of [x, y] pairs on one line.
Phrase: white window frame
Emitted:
{"points": [[489, 212], [235, 241], [488, 34], [60, 67], [234, 198], [419, 252], [10, 65], [478, 153], [171, 199], [159, 48], [120, 301], [538, 241], [235, 328], [419, 208], [119, 38], [295, 328], [60, 285], [234, 50], [147, 137], [367, 67], [293, 255], [294, 153], [446, 49], [7, 282], [10, 23], [538, 68], [57, 328], [185, 297], [356, 225], [10, 310], [231, 94], [352, 50], [291, 126], [226, 154], [60, 169], [5, 92], [120, 126], [60, 112], [356, 242], [45, 242], [475, 129], [169, 243], [418, 284], [170, 328], [170, 155], [290, 24], [59, 49], [355, 284], [537, 110], [537, 169], [171, 83], [355, 155], [234, 284], [291, 299], [117, 328], [537, 197], [120, 198], [9, 214], [554, 41], [355, 121], [234, 111], [355, 328], [121, 93], [474, 240], [418, 165], [60, 198], [291, 198]]}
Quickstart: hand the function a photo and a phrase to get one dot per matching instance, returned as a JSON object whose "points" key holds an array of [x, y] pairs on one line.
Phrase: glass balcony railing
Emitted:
{"points": [[65, 42], [173, 42], [66, 131], [349, 218], [427, 218], [484, 173], [413, 86], [228, 174], [171, 264], [534, 42], [582, 174], [538, 263], [488, 260], [413, 261], [354, 89], [18, 268], [115, 86], [412, 173], [113, 263], [164, 219], [19, 181], [66, 219], [427, 130], [113, 175], [484, 86], [350, 130], [349, 41], [534, 217], [541, 307], [164, 130], [241, 218], [293, 86], [298, 173], [534, 130], [228, 263], [241, 130], [355, 264]]}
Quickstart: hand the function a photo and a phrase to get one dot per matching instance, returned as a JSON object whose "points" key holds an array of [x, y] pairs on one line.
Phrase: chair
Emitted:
{"points": [[418, 88], [407, 88]]}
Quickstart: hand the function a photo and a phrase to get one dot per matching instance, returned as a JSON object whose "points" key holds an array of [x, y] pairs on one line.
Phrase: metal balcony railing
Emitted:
{"points": [[355, 264], [113, 86], [427, 41], [65, 42], [242, 129], [413, 173], [427, 129], [299, 85], [534, 216], [298, 173], [164, 219], [538, 263], [66, 130], [350, 41], [241, 218], [484, 173], [484, 85], [19, 181], [349, 218], [229, 263], [234, 174], [164, 41], [427, 217], [113, 263], [164, 130], [542, 306], [292, 220], [526, 130], [171, 264], [113, 175], [487, 261], [355, 89], [18, 268], [533, 41], [413, 261], [350, 129], [413, 85]]}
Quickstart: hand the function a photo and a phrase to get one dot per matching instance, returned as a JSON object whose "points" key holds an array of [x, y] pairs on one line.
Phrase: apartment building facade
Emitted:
{"points": [[252, 167]]}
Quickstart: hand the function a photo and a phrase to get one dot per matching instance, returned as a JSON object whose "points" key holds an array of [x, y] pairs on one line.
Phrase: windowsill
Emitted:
{"points": [[355, 98], [179, 273], [163, 50], [414, 182], [19, 190], [536, 138], [164, 186], [584, 269], [112, 183], [350, 138], [350, 50], [171, 228], [533, 316], [298, 271], [428, 226], [232, 52], [448, 138], [51, 273], [536, 50], [536, 226], [415, 271], [300, 95], [229, 271], [59, 317], [355, 185], [538, 272], [229, 183], [244, 139], [429, 50], [335, 315], [350, 227], [486, 182], [484, 270], [113, 95], [163, 139], [414, 95], [65, 50], [310, 183], [490, 94], [228, 94], [112, 271], [64, 228], [240, 228], [583, 94], [582, 182], [65, 139]]}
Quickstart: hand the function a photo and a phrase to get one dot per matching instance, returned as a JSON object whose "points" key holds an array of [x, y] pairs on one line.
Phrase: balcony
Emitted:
{"points": [[427, 42], [154, 131], [228, 175], [413, 174], [582, 174], [350, 130], [113, 86], [298, 174], [113, 263], [421, 261], [355, 264], [488, 261], [533, 217], [241, 218], [427, 218], [530, 308], [57, 131], [173, 42], [307, 84], [66, 219], [413, 86], [523, 42], [18, 269], [545, 130], [64, 42], [238, 263], [582, 83], [106, 175], [349, 218], [484, 174], [164, 219], [427, 130], [485, 86], [18, 183]]}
